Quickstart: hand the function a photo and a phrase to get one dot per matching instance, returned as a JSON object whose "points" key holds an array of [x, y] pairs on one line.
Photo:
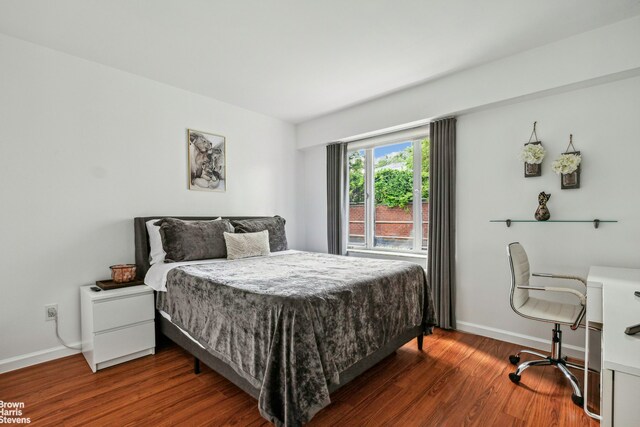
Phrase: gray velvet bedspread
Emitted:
{"points": [[289, 324]]}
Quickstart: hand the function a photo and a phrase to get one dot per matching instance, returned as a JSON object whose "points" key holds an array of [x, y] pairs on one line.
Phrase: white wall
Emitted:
{"points": [[605, 127], [314, 183], [85, 149]]}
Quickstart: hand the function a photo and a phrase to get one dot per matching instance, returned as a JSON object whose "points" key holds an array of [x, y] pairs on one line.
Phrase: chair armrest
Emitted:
{"points": [[580, 295], [561, 276]]}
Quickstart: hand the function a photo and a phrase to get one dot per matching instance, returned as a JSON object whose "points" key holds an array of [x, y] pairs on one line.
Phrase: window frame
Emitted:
{"points": [[369, 195]]}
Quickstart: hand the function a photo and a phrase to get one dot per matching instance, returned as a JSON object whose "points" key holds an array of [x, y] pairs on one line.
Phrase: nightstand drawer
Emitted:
{"points": [[122, 311], [119, 342]]}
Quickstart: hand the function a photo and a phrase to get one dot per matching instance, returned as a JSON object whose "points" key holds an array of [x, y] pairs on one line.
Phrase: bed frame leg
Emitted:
{"points": [[420, 338], [196, 365]]}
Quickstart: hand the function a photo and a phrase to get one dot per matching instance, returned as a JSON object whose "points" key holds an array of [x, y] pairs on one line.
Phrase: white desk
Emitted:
{"points": [[611, 303]]}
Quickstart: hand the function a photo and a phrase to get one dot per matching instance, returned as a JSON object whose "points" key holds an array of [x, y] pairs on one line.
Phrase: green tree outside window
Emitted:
{"points": [[393, 187]]}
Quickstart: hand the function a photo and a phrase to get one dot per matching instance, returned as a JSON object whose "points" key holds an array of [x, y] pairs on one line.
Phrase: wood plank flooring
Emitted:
{"points": [[459, 379]]}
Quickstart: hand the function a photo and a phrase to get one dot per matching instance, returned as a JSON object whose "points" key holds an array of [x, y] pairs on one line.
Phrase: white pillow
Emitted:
{"points": [[156, 252], [245, 245]]}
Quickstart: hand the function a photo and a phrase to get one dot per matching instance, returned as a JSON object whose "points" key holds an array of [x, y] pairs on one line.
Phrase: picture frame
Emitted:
{"points": [[207, 169]]}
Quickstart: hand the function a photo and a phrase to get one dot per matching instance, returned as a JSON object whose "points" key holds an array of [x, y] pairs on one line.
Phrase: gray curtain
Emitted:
{"points": [[337, 198], [442, 220]]}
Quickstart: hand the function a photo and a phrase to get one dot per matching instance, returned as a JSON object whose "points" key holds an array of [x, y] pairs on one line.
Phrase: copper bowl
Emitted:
{"points": [[123, 273]]}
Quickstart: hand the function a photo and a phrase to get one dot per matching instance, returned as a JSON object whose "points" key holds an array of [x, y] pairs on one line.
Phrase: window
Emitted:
{"points": [[389, 195]]}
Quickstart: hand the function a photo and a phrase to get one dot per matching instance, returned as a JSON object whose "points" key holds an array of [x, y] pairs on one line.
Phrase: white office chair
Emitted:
{"points": [[544, 311]]}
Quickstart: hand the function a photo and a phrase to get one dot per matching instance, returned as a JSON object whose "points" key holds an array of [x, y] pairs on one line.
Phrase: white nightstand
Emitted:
{"points": [[117, 325]]}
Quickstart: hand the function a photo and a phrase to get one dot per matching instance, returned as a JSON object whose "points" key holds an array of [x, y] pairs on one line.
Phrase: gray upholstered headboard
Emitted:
{"points": [[142, 238]]}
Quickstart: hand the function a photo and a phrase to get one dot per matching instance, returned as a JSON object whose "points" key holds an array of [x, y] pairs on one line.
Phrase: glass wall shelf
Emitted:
{"points": [[596, 222]]}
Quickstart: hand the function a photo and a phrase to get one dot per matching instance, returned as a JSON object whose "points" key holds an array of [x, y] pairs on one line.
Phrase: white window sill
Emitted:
{"points": [[419, 255]]}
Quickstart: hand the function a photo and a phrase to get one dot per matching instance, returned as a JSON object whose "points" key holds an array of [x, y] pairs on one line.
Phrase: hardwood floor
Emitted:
{"points": [[459, 379]]}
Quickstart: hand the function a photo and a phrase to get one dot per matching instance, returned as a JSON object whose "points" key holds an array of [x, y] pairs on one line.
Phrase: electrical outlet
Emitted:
{"points": [[50, 311]]}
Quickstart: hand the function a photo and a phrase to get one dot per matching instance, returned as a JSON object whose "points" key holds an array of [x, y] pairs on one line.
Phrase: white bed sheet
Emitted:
{"points": [[168, 317], [156, 277]]}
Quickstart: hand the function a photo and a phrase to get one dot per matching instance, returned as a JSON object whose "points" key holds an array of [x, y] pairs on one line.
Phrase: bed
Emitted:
{"points": [[289, 328]]}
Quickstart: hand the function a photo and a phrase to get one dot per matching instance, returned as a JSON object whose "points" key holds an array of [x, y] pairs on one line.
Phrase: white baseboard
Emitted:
{"points": [[24, 360], [520, 339], [41, 356]]}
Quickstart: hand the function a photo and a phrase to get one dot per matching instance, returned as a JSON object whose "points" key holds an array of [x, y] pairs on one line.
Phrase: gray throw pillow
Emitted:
{"points": [[275, 227], [193, 240], [245, 245]]}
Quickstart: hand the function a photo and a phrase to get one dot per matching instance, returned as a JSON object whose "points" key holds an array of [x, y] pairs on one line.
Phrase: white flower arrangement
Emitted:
{"points": [[532, 154], [566, 163]]}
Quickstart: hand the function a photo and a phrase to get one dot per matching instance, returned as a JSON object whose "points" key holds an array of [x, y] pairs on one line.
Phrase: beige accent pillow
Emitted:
{"points": [[245, 245]]}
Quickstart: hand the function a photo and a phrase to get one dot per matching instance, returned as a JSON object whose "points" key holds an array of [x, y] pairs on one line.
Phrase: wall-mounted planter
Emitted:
{"points": [[568, 165], [532, 154], [570, 181], [532, 169]]}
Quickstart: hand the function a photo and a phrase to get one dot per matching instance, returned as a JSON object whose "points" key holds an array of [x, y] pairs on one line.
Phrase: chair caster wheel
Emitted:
{"points": [[515, 378], [578, 400], [514, 359]]}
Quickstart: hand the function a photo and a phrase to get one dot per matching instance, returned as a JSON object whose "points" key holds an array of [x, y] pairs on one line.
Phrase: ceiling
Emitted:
{"points": [[299, 59]]}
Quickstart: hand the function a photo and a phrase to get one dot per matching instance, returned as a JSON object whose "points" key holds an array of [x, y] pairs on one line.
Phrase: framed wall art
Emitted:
{"points": [[207, 161]]}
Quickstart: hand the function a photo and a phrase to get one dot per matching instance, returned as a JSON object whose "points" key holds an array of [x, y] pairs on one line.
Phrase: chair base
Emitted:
{"points": [[556, 360]]}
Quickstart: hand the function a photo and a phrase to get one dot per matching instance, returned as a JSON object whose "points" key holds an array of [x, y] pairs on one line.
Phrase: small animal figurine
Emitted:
{"points": [[542, 213]]}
